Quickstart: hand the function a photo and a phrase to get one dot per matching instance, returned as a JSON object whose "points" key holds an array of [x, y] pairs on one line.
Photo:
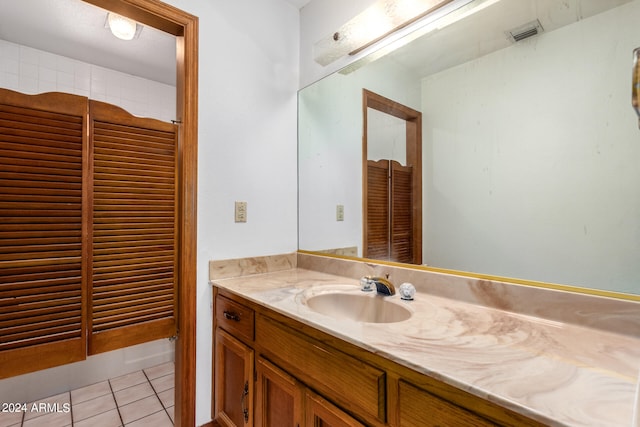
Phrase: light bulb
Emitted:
{"points": [[121, 27]]}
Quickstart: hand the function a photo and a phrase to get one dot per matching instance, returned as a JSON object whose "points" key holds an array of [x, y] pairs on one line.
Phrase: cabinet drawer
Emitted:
{"points": [[235, 318], [352, 384], [419, 408]]}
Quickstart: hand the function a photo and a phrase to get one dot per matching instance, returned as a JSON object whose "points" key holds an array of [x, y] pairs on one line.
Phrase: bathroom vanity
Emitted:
{"points": [[304, 376], [280, 360]]}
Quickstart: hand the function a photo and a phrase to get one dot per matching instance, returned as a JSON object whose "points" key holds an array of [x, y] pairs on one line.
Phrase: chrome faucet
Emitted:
{"points": [[383, 286]]}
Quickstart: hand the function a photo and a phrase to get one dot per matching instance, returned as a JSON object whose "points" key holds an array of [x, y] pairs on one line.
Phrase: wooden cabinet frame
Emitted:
{"points": [[240, 404], [270, 376], [320, 412], [278, 337]]}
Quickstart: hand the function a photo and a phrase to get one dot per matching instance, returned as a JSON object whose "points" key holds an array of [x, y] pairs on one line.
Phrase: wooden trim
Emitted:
{"points": [[147, 12], [413, 119], [365, 173], [187, 86], [185, 27], [414, 148]]}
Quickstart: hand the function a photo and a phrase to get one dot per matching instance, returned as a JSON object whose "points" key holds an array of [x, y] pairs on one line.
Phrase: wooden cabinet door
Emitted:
{"points": [[321, 413], [233, 381], [278, 397], [419, 408]]}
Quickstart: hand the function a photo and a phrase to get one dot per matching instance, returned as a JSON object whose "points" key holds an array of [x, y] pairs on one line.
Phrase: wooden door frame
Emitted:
{"points": [[413, 120], [184, 26]]}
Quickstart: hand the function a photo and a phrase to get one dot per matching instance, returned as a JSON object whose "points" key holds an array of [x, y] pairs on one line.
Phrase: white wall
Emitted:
{"points": [[386, 137], [248, 58], [32, 71], [534, 146], [330, 131]]}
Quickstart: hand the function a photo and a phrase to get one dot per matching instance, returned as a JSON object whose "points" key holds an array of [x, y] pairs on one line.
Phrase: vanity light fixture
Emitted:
{"points": [[377, 22], [442, 17], [123, 27]]}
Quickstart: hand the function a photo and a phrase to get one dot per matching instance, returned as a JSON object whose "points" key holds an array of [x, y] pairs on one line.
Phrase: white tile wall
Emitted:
{"points": [[32, 71]]}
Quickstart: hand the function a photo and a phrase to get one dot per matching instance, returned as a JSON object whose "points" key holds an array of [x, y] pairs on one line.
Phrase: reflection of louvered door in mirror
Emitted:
{"points": [[401, 209], [377, 206], [389, 211], [392, 190]]}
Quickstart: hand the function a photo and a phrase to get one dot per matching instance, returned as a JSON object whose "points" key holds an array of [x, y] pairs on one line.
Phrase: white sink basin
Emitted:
{"points": [[359, 307]]}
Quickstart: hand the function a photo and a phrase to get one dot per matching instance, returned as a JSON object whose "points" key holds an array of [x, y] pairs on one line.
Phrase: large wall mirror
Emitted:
{"points": [[530, 148]]}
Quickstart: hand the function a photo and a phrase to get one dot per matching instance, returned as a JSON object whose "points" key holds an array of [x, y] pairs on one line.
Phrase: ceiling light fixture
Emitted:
{"points": [[122, 27]]}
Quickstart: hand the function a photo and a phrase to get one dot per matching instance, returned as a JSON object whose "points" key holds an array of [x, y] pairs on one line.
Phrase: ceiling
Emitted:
{"points": [[485, 31], [298, 3], [75, 29]]}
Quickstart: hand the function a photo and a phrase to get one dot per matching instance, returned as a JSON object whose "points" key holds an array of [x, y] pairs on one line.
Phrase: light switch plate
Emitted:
{"points": [[241, 212], [340, 213]]}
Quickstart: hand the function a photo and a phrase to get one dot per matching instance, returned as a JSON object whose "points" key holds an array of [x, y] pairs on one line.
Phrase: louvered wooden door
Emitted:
{"points": [[88, 230], [133, 270], [42, 262]]}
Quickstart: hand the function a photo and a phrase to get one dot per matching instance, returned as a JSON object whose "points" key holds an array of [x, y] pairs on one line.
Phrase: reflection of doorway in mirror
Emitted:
{"points": [[392, 180]]}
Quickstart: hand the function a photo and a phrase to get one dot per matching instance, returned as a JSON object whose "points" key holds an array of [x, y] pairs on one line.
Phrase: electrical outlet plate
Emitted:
{"points": [[340, 213], [241, 212]]}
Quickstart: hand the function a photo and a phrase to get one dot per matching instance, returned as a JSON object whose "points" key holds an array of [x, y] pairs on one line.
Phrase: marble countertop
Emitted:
{"points": [[557, 373]]}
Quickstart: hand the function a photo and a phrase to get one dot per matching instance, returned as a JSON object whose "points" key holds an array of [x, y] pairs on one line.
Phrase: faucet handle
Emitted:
{"points": [[407, 291], [367, 284]]}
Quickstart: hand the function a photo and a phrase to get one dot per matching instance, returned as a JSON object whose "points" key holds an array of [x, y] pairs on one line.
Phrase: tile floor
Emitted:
{"points": [[140, 399]]}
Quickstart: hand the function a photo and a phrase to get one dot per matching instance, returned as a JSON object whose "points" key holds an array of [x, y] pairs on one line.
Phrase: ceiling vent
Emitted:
{"points": [[525, 31]]}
